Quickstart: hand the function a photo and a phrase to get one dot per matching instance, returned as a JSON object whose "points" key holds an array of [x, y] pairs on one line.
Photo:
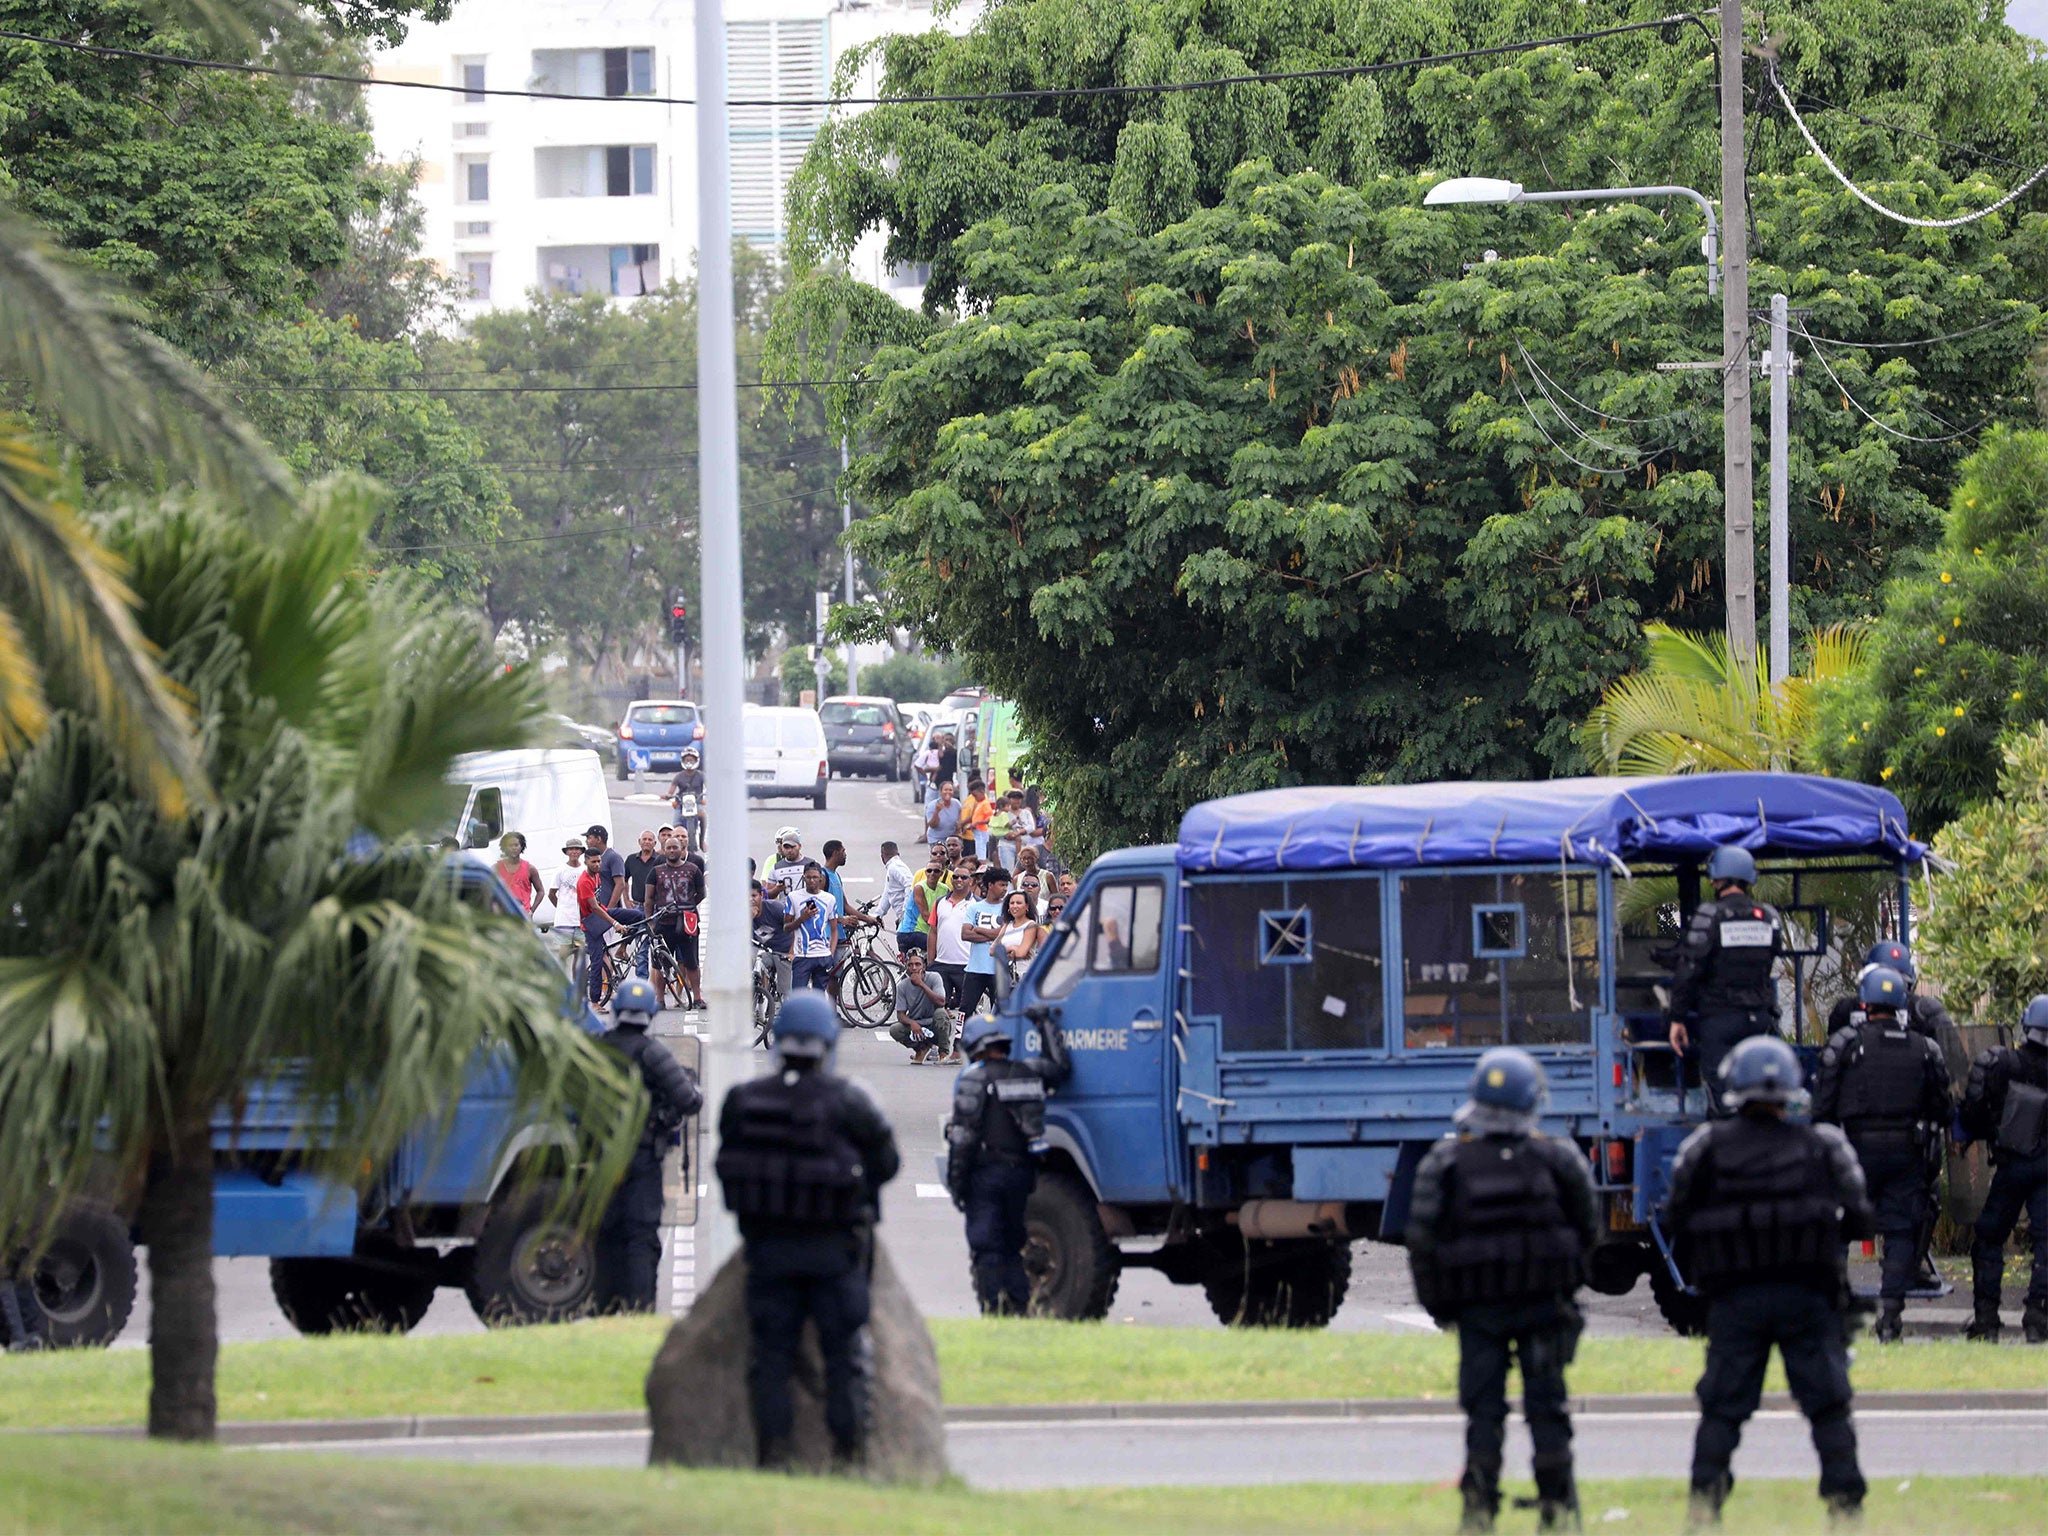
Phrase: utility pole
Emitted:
{"points": [[1738, 484], [727, 968], [1781, 489], [845, 528]]}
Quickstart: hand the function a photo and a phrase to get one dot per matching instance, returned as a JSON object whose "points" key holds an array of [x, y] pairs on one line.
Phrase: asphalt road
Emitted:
{"points": [[920, 1225], [1421, 1447]]}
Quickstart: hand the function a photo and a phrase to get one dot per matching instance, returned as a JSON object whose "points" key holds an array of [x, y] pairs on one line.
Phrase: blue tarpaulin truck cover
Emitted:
{"points": [[1581, 821]]}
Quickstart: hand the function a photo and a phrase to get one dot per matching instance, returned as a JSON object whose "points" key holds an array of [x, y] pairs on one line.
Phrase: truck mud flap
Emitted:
{"points": [[1394, 1214]]}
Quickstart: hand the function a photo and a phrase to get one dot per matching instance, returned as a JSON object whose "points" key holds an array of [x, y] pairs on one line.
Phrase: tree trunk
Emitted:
{"points": [[184, 1342]]}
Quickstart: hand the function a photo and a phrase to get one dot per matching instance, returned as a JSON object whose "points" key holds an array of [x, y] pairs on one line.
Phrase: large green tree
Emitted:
{"points": [[1298, 490]]}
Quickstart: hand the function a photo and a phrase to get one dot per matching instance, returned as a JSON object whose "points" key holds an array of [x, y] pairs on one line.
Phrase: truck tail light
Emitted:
{"points": [[626, 731], [1617, 1074], [824, 769], [1617, 1161]]}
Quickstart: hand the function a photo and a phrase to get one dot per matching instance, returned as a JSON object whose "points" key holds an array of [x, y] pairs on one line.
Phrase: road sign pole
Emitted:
{"points": [[728, 1059]]}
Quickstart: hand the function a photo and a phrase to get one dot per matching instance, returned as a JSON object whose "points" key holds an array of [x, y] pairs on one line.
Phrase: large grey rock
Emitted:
{"points": [[697, 1388]]}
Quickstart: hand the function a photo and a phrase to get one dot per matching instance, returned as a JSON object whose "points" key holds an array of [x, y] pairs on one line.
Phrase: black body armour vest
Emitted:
{"points": [[1769, 1212], [1739, 974], [790, 1161], [1509, 1238], [1881, 1081]]}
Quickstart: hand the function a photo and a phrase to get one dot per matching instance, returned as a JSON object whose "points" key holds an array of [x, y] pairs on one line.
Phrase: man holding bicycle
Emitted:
{"points": [[675, 889]]}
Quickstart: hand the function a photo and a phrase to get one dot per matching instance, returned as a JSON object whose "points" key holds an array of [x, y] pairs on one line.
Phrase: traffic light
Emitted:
{"points": [[678, 619]]}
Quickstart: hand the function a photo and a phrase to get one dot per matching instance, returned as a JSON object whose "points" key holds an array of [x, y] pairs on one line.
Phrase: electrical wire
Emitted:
{"points": [[1563, 452], [1536, 370], [1911, 133], [1923, 341], [1867, 414], [1271, 77], [1870, 202], [263, 387], [582, 533]]}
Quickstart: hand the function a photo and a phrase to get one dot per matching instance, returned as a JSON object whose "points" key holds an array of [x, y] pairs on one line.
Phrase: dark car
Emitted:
{"points": [[654, 733], [866, 735]]}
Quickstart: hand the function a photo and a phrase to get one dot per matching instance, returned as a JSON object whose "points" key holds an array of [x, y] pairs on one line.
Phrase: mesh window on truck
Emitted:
{"points": [[1507, 958], [1291, 964]]}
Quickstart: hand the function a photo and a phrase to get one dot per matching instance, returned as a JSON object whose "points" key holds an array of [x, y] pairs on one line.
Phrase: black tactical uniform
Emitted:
{"points": [[992, 1145], [1721, 988], [1996, 1110], [1761, 1208], [1887, 1087], [629, 1237], [23, 1324], [803, 1157], [1498, 1231]]}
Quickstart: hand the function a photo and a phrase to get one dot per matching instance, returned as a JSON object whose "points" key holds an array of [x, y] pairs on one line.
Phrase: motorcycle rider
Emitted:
{"points": [[1761, 1207], [993, 1141], [803, 1157], [1887, 1087], [1721, 988], [2006, 1104], [629, 1237], [1499, 1225], [1925, 1016], [689, 784]]}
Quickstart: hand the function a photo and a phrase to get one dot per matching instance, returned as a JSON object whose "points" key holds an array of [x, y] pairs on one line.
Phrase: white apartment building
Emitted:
{"points": [[599, 194]]}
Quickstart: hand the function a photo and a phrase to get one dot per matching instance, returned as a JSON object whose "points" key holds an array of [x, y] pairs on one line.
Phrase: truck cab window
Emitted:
{"points": [[1116, 932]]}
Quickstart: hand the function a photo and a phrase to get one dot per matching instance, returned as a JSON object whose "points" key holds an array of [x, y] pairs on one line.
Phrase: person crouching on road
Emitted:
{"points": [[803, 1156], [1886, 1085], [629, 1237], [993, 1141], [1761, 1208], [922, 1027], [1499, 1226], [2006, 1104]]}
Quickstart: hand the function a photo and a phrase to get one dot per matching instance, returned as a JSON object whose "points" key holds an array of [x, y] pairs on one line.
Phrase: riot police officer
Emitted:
{"points": [[1887, 1087], [1499, 1225], [629, 1237], [1722, 983], [2006, 1104], [1761, 1208], [993, 1140], [1925, 1016], [803, 1156]]}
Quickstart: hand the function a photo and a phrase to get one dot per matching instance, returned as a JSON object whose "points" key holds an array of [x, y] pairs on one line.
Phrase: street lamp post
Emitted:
{"points": [[1487, 189]]}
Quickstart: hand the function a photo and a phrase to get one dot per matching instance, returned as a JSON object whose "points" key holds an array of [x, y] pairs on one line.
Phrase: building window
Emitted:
{"points": [[914, 274], [771, 60], [476, 276], [609, 170], [621, 271], [471, 130], [473, 227], [473, 178], [472, 72], [594, 71]]}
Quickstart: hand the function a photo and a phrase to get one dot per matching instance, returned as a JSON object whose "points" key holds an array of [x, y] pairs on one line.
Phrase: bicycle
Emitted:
{"points": [[767, 993], [640, 947], [862, 984]]}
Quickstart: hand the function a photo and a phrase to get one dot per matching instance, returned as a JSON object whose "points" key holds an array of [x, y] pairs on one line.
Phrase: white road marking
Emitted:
{"points": [[931, 1191]]}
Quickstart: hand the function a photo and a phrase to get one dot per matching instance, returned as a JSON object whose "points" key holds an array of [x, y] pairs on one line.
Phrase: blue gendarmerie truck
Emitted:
{"points": [[466, 1202], [1272, 1019]]}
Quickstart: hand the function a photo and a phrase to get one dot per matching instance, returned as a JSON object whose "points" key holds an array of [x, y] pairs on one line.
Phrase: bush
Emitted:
{"points": [[1984, 936], [913, 679], [796, 674]]}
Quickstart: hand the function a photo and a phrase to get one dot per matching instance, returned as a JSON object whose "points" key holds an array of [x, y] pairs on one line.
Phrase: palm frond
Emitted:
{"points": [[112, 385], [70, 590]]}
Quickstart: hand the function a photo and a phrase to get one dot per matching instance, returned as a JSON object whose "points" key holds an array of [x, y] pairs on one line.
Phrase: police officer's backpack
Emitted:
{"points": [[2023, 1123], [787, 1159], [1510, 1239]]}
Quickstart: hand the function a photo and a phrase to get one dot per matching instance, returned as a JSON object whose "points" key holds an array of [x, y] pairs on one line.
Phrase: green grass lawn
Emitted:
{"points": [[600, 1365], [85, 1486]]}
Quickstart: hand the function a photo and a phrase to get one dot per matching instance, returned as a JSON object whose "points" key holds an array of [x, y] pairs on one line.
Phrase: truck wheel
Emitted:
{"points": [[1296, 1283], [85, 1281], [322, 1296], [1686, 1313], [818, 799], [529, 1265], [1614, 1267], [1074, 1267]]}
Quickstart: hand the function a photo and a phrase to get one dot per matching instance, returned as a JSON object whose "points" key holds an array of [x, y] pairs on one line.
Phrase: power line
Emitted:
{"points": [[1864, 197], [1163, 88], [1541, 378], [1912, 133], [1594, 469], [1923, 341], [1865, 411], [603, 531], [263, 387]]}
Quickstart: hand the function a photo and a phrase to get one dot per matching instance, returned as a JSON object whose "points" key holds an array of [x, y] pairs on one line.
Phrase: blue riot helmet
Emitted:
{"points": [[636, 1001], [1893, 954], [1508, 1090], [1731, 863], [2034, 1022], [1882, 987], [982, 1031], [1761, 1070], [805, 1026]]}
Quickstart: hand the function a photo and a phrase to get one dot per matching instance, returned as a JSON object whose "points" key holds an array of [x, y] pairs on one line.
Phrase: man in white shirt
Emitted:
{"points": [[562, 894], [896, 878], [814, 917], [786, 868], [982, 925], [949, 946]]}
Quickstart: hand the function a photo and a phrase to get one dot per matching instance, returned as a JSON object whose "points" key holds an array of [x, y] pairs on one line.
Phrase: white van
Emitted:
{"points": [[546, 795], [786, 756]]}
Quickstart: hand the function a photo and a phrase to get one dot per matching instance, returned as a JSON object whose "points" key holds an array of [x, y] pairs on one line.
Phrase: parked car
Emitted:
{"points": [[786, 755], [654, 733], [865, 734]]}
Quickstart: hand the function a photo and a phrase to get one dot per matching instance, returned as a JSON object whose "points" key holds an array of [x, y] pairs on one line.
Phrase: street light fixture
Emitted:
{"points": [[1488, 189]]}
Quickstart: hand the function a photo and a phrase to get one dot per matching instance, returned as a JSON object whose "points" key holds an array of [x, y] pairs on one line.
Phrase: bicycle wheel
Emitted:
{"points": [[867, 993]]}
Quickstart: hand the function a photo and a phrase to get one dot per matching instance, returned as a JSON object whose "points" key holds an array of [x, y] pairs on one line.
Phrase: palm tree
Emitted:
{"points": [[1695, 709], [161, 962]]}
